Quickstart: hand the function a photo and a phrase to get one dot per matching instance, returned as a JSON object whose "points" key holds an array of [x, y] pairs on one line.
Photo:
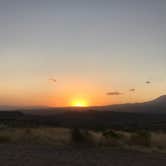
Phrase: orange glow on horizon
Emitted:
{"points": [[79, 103]]}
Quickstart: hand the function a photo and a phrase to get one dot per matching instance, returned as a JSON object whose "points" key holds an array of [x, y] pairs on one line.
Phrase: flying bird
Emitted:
{"points": [[132, 90], [148, 82], [52, 79]]}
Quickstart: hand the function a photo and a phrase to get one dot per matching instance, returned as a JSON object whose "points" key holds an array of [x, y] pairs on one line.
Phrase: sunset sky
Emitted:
{"points": [[97, 50]]}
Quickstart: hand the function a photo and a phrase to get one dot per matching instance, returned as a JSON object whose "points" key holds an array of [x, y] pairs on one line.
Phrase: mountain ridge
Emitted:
{"points": [[157, 105]]}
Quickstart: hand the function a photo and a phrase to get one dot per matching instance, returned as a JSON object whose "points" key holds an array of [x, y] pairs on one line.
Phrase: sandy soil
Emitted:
{"points": [[39, 155]]}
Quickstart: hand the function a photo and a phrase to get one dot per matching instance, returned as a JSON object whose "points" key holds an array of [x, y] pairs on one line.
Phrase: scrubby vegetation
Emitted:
{"points": [[81, 137], [5, 138], [76, 136], [142, 138]]}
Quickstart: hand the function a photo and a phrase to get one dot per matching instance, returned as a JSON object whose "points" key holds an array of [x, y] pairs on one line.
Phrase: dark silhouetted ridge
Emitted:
{"points": [[160, 100]]}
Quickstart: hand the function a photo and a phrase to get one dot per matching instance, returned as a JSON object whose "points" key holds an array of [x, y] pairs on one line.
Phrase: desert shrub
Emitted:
{"points": [[112, 134], [28, 136], [142, 138], [5, 139], [77, 135], [99, 129], [81, 136], [3, 126], [28, 131], [112, 138]]}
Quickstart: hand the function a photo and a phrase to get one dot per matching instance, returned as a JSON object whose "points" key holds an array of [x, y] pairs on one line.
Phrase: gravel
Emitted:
{"points": [[40, 155]]}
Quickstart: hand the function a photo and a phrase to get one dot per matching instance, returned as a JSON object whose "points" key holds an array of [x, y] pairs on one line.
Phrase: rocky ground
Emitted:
{"points": [[39, 155]]}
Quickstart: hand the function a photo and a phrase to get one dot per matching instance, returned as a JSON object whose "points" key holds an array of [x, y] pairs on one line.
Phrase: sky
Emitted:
{"points": [[97, 50]]}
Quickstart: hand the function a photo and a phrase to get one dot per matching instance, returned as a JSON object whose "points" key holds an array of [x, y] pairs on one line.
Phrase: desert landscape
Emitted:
{"points": [[112, 135], [69, 138], [82, 82], [55, 146], [19, 155]]}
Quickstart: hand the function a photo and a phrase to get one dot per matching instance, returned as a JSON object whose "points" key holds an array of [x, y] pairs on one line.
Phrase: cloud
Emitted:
{"points": [[132, 90], [114, 93], [53, 80], [148, 82]]}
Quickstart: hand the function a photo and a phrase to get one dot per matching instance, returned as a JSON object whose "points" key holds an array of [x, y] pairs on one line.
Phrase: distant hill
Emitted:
{"points": [[157, 105], [10, 114], [149, 115], [6, 107], [12, 108]]}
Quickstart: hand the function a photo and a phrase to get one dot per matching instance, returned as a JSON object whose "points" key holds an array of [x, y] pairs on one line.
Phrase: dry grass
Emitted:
{"points": [[141, 138], [159, 140], [62, 136], [57, 136]]}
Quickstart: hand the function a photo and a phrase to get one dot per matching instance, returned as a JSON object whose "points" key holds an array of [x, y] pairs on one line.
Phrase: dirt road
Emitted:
{"points": [[37, 155]]}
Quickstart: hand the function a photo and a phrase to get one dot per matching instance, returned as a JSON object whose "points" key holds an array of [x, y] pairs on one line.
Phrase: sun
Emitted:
{"points": [[79, 103]]}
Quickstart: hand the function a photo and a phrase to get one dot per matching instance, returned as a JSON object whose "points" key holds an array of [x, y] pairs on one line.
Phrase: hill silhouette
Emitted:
{"points": [[149, 115], [157, 105]]}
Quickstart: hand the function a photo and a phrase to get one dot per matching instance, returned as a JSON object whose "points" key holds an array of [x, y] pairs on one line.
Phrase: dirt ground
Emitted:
{"points": [[39, 155]]}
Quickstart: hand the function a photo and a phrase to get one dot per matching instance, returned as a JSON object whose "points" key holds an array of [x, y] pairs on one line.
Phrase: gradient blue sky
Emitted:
{"points": [[90, 46]]}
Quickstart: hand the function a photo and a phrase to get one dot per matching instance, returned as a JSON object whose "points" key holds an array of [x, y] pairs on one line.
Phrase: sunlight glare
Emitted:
{"points": [[79, 103]]}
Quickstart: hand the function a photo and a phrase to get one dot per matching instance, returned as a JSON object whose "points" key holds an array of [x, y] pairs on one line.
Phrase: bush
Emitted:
{"points": [[112, 134], [142, 138], [81, 137], [112, 138], [76, 135], [5, 139], [3, 126]]}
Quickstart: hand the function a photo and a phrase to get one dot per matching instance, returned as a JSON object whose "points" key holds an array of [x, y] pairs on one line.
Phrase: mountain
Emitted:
{"points": [[13, 108], [7, 107], [157, 105], [160, 100]]}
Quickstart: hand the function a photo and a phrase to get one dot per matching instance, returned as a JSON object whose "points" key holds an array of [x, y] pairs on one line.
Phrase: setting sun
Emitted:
{"points": [[79, 103]]}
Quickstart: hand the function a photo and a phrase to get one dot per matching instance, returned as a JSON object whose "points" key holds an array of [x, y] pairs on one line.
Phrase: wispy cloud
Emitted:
{"points": [[116, 93]]}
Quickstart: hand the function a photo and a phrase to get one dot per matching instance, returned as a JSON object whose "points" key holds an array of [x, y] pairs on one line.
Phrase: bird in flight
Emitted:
{"points": [[148, 82], [132, 90], [53, 80]]}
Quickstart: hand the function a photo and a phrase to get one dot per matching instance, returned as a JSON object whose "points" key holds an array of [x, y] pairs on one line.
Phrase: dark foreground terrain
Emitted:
{"points": [[38, 155], [130, 121]]}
